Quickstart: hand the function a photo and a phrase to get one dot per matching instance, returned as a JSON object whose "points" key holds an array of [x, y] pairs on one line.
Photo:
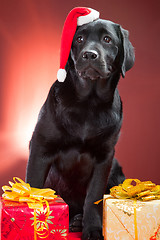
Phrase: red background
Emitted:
{"points": [[30, 32]]}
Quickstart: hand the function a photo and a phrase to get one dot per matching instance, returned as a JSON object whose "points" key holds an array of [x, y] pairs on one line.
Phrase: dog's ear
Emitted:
{"points": [[128, 52]]}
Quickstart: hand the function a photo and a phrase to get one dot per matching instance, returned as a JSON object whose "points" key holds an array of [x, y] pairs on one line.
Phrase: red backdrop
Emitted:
{"points": [[30, 33]]}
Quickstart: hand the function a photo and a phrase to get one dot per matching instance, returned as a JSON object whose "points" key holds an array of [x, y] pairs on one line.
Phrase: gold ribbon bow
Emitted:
{"points": [[22, 192], [135, 189], [34, 197]]}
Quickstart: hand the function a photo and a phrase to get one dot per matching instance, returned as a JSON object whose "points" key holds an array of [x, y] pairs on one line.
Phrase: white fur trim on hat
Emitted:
{"points": [[61, 75], [93, 15]]}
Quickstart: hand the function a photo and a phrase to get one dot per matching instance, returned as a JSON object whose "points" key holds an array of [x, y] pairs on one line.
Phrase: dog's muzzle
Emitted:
{"points": [[90, 65]]}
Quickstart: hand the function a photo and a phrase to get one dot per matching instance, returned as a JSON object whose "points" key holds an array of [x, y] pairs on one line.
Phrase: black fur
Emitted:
{"points": [[72, 147]]}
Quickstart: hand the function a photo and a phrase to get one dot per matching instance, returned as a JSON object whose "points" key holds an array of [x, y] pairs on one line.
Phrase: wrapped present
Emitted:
{"points": [[31, 214], [132, 215]]}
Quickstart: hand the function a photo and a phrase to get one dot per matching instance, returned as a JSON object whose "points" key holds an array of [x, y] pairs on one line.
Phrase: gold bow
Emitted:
{"points": [[135, 189], [34, 197], [22, 192]]}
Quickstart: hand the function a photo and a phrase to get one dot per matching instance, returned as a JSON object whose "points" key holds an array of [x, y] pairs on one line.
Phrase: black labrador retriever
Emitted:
{"points": [[73, 144]]}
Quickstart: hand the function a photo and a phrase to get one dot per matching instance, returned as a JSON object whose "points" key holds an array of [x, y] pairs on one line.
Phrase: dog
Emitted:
{"points": [[73, 144]]}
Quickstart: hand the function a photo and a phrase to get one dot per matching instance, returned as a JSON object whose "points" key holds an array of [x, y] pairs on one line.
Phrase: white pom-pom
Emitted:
{"points": [[61, 75], [93, 15]]}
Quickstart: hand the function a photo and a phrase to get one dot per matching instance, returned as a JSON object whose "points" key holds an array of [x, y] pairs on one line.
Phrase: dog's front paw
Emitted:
{"points": [[93, 234], [75, 224]]}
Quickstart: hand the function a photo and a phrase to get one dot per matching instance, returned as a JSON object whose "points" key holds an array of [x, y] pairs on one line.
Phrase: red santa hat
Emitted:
{"points": [[76, 17]]}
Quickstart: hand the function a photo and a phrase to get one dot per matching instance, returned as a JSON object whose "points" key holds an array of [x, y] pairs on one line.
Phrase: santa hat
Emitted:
{"points": [[76, 17]]}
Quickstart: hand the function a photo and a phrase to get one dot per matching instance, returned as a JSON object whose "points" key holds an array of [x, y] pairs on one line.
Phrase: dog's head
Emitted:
{"points": [[100, 49]]}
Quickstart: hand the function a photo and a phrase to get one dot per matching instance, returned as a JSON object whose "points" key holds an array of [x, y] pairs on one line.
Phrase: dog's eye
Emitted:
{"points": [[107, 39], [80, 39]]}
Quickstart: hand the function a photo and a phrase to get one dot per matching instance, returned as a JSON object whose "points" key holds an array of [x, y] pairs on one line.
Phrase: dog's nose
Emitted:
{"points": [[90, 55]]}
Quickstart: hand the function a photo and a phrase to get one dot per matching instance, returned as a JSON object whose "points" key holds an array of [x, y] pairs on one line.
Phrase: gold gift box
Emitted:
{"points": [[126, 219]]}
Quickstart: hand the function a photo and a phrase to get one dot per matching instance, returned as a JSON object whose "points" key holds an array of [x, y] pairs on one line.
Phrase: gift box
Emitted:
{"points": [[18, 221], [128, 219], [31, 214]]}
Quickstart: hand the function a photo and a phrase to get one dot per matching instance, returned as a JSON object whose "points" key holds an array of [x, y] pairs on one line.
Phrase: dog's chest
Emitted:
{"points": [[89, 124], [74, 164]]}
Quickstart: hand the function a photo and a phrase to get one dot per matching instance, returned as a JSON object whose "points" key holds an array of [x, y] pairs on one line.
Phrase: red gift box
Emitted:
{"points": [[19, 222]]}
